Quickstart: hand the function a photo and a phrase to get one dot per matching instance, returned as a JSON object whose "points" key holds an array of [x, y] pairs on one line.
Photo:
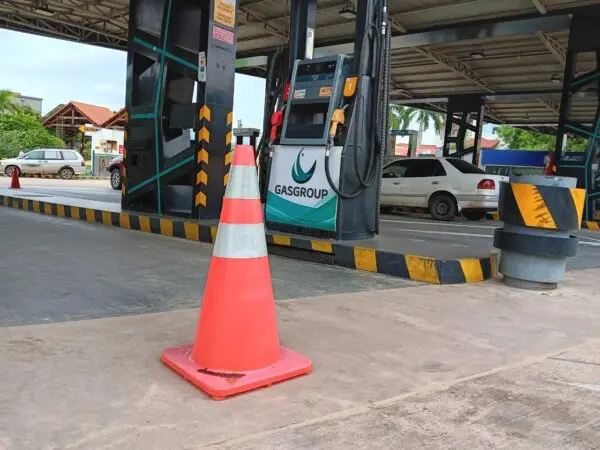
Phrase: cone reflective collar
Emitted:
{"points": [[237, 344]]}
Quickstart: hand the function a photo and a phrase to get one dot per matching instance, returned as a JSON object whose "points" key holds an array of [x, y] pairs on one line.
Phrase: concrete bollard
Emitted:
{"points": [[538, 213]]}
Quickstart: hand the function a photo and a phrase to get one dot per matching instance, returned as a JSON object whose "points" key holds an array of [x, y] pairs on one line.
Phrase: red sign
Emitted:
{"points": [[223, 35]]}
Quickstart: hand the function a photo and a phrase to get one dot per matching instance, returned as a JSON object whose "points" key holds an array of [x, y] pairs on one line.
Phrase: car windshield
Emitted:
{"points": [[463, 166]]}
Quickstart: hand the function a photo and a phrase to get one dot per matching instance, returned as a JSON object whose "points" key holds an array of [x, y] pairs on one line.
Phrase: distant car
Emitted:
{"points": [[114, 168], [444, 187], [46, 161]]}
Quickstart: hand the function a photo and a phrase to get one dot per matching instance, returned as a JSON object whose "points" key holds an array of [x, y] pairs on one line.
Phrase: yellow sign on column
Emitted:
{"points": [[225, 12]]}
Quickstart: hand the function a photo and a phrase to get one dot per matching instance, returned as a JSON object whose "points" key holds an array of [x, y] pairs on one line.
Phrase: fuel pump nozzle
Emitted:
{"points": [[337, 118]]}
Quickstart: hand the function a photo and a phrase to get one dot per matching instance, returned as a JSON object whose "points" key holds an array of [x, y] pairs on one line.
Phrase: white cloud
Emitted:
{"points": [[59, 71]]}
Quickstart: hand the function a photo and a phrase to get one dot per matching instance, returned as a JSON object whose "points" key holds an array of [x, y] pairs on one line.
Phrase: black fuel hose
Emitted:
{"points": [[263, 151], [385, 74], [368, 67]]}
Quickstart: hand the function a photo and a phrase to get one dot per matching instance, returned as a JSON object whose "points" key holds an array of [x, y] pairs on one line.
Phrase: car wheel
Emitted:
{"points": [[115, 179], [442, 207], [474, 214], [9, 171], [66, 173]]}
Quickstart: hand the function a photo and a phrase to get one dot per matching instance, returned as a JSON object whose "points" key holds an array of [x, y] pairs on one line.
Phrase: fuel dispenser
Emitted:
{"points": [[327, 137]]}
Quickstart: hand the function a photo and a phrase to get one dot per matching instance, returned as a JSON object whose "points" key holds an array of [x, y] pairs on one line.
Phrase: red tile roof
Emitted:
{"points": [[97, 115], [402, 150], [119, 116], [489, 143]]}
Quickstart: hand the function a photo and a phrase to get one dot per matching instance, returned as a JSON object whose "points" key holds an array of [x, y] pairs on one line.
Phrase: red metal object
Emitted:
{"points": [[276, 123], [286, 92]]}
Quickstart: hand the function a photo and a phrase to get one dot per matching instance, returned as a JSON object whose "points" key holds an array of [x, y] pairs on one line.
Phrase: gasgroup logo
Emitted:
{"points": [[298, 174]]}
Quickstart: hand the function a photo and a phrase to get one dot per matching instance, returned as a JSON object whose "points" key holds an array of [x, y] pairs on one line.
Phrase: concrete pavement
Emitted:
{"points": [[54, 269], [469, 366]]}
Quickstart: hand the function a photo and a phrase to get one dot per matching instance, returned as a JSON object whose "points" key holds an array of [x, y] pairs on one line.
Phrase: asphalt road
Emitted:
{"points": [[54, 269], [404, 233], [97, 190]]}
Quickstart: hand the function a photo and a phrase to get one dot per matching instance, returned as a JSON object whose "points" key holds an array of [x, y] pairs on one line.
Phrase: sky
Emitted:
{"points": [[60, 71]]}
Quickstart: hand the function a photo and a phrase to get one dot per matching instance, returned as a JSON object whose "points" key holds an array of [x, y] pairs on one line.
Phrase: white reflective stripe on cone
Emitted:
{"points": [[240, 241], [243, 183]]}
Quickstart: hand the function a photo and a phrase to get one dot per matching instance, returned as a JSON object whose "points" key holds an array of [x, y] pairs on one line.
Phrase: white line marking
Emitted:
{"points": [[451, 233], [591, 244], [438, 223], [589, 238]]}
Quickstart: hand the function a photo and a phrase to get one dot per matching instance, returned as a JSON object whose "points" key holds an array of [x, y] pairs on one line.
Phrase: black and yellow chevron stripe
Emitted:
{"points": [[413, 267], [229, 153], [202, 155], [591, 225], [548, 207]]}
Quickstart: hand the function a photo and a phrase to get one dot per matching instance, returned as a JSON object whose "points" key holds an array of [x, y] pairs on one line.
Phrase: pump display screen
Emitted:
{"points": [[306, 121], [317, 68], [316, 71]]}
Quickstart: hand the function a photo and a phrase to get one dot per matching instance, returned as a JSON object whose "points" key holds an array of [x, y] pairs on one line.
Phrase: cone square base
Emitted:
{"points": [[219, 386]]}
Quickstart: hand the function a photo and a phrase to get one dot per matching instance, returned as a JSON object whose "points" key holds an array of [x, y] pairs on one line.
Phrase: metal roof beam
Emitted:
{"points": [[257, 19], [467, 31], [482, 31], [455, 65], [550, 104], [554, 47], [539, 6]]}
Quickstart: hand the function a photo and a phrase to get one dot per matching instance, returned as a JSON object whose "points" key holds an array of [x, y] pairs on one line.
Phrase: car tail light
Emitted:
{"points": [[486, 184], [82, 163]]}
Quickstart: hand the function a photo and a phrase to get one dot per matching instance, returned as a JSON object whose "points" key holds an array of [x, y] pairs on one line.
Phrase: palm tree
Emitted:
{"points": [[7, 104], [401, 117], [426, 118]]}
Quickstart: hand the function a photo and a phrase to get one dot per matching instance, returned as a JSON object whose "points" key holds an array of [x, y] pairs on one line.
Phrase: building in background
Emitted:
{"points": [[401, 148], [65, 121], [25, 101], [118, 121], [106, 144]]}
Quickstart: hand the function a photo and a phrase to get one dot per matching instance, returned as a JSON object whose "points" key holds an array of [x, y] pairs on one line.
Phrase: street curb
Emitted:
{"points": [[56, 177], [412, 267]]}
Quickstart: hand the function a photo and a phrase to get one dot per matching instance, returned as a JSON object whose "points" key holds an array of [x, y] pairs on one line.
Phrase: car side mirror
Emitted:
{"points": [[388, 175]]}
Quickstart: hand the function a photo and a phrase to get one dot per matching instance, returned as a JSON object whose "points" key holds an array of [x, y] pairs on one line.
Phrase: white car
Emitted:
{"points": [[47, 161], [444, 187]]}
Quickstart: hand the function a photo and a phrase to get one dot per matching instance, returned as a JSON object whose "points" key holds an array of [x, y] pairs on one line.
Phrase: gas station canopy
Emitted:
{"points": [[511, 51]]}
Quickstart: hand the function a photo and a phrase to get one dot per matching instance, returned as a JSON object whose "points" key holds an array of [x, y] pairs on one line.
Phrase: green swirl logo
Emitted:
{"points": [[298, 174]]}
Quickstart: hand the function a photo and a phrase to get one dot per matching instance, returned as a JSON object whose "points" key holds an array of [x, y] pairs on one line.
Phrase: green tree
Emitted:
{"points": [[401, 117], [427, 119], [518, 139], [7, 104], [22, 131]]}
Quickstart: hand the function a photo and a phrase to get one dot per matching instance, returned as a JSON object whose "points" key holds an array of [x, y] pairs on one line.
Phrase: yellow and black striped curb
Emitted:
{"points": [[412, 267], [493, 215], [590, 225], [58, 177], [548, 207]]}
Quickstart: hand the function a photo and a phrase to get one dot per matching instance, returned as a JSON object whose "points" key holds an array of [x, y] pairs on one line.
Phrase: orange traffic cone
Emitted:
{"points": [[14, 181], [237, 344]]}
